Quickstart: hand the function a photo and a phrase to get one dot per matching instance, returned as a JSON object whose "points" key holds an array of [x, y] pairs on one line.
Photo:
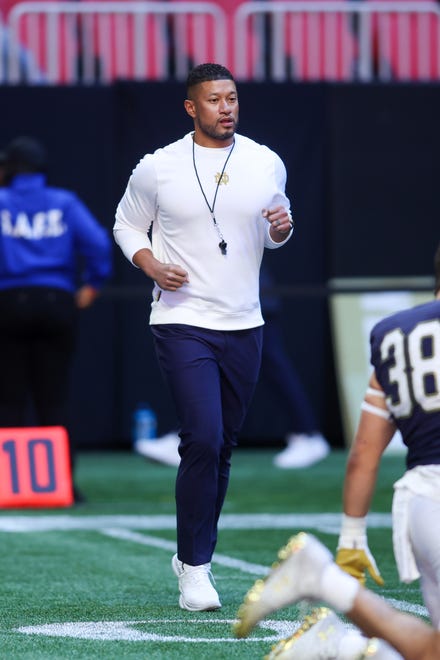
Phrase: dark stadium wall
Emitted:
{"points": [[361, 177], [383, 176]]}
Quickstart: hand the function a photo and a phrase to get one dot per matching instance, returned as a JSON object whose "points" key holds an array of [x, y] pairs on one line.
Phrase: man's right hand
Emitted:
{"points": [[169, 277]]}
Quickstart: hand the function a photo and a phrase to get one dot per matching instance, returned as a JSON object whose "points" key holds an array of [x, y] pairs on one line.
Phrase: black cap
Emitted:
{"points": [[25, 154]]}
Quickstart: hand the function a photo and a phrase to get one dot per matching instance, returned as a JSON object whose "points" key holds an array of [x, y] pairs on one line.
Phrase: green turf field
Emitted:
{"points": [[95, 581]]}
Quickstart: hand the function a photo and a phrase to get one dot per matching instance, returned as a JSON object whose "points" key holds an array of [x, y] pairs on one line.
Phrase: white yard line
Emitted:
{"points": [[134, 631], [164, 544], [323, 522]]}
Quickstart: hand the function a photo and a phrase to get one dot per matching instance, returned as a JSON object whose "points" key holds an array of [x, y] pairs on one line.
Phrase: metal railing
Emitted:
{"points": [[103, 41], [345, 41], [274, 40]]}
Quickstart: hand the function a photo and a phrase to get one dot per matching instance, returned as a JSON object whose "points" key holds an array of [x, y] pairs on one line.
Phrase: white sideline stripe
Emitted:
{"points": [[164, 544], [324, 522]]}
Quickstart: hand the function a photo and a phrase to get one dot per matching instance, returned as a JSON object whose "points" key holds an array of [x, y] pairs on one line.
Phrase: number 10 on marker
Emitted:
{"points": [[35, 467]]}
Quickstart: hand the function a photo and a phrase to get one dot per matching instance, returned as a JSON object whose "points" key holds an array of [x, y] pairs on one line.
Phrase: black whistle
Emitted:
{"points": [[223, 245]]}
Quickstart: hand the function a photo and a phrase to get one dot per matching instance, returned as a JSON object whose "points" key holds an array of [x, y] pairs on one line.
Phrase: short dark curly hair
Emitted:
{"points": [[437, 271], [205, 72], [24, 155]]}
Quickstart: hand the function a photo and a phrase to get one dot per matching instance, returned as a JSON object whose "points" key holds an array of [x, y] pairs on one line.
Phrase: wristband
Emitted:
{"points": [[353, 532]]}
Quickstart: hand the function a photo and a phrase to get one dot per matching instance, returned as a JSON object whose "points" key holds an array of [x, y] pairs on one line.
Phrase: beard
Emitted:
{"points": [[217, 132]]}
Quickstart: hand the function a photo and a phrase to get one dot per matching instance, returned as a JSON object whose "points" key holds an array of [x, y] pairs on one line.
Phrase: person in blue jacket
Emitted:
{"points": [[54, 259]]}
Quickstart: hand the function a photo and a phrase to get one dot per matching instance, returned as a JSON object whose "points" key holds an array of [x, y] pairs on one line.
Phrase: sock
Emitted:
{"points": [[338, 588]]}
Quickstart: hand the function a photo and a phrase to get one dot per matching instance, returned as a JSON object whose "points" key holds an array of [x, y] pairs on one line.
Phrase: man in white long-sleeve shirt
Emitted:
{"points": [[214, 200]]}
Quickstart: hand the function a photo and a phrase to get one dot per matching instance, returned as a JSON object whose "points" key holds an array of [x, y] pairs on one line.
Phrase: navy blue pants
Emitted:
{"points": [[37, 342], [212, 375]]}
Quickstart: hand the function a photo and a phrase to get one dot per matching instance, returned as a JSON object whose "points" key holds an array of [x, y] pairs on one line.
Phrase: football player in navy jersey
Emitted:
{"points": [[403, 394]]}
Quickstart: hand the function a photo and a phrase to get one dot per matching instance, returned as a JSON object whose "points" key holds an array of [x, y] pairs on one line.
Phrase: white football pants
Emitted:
{"points": [[424, 533]]}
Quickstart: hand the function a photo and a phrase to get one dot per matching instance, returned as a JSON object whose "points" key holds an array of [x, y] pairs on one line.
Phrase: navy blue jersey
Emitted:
{"points": [[405, 353], [43, 232]]}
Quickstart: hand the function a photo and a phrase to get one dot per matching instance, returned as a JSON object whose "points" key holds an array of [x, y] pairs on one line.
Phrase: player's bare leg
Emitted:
{"points": [[412, 637]]}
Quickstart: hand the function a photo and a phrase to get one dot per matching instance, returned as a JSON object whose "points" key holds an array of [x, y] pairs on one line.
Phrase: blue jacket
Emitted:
{"points": [[49, 238]]}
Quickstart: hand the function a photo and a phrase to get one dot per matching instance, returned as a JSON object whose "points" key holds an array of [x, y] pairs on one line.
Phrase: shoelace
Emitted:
{"points": [[199, 573]]}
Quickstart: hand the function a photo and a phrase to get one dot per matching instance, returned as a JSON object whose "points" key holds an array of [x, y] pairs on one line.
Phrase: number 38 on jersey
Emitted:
{"points": [[410, 368]]}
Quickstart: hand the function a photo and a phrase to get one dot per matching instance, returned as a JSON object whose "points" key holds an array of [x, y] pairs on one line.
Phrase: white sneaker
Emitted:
{"points": [[318, 638], [161, 450], [302, 451], [196, 590], [296, 577]]}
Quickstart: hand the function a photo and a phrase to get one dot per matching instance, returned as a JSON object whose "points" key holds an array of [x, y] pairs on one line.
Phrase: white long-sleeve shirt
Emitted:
{"points": [[163, 191]]}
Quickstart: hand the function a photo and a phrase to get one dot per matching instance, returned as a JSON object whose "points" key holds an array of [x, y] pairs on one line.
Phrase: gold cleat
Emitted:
{"points": [[378, 648], [296, 576], [372, 648], [322, 636], [294, 544], [285, 646]]}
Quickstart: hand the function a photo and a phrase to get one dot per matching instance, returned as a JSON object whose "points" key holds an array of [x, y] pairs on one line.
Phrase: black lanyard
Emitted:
{"points": [[222, 245]]}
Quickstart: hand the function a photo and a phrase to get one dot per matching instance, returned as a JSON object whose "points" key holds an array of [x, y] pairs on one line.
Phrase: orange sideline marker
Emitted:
{"points": [[35, 467]]}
